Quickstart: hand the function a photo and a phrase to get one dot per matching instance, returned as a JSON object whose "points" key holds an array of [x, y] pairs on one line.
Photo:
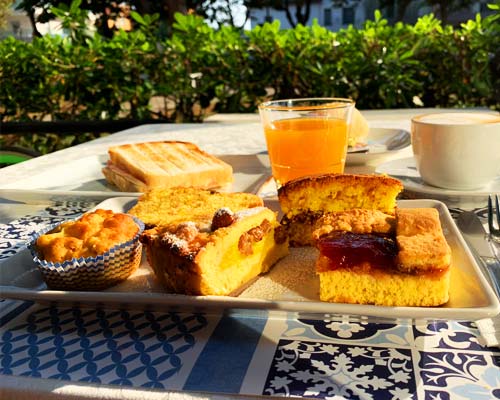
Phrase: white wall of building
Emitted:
{"points": [[318, 12]]}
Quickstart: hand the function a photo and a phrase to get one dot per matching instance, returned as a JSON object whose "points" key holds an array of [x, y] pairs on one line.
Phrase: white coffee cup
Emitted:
{"points": [[459, 150]]}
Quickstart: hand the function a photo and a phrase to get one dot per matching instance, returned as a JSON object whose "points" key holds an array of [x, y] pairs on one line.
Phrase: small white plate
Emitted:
{"points": [[291, 286], [406, 171], [382, 143]]}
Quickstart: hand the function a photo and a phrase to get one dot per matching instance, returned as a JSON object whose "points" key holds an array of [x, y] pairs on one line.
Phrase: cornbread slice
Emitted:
{"points": [[304, 201], [409, 268], [217, 260], [176, 205]]}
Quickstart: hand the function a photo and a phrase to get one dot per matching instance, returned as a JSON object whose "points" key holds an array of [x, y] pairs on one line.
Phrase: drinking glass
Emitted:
{"points": [[306, 136]]}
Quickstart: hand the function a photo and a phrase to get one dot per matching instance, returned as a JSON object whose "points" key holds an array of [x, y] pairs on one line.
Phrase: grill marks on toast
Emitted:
{"points": [[153, 162], [190, 159]]}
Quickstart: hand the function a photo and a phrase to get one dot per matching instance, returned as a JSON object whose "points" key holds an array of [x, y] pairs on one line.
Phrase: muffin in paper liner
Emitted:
{"points": [[91, 273]]}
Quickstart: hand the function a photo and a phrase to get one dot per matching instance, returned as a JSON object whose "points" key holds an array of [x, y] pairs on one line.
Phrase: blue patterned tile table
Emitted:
{"points": [[52, 349]]}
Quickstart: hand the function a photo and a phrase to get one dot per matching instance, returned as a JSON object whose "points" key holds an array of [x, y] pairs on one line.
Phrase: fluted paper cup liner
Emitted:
{"points": [[91, 273]]}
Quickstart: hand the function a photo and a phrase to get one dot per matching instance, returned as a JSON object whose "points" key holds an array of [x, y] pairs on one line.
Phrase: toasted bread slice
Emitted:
{"points": [[141, 166], [122, 179]]}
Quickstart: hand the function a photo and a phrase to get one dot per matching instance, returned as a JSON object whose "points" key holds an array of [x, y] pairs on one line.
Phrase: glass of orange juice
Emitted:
{"points": [[306, 136]]}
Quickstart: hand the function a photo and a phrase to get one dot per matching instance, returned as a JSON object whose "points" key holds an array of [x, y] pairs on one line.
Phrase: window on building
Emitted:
{"points": [[327, 17], [268, 17], [348, 15]]}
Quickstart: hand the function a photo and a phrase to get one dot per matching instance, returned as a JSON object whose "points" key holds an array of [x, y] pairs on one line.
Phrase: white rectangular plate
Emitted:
{"points": [[84, 176], [290, 286]]}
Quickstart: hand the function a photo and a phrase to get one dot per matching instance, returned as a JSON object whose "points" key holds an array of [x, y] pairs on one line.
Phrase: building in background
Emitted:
{"points": [[18, 25], [356, 12], [333, 18]]}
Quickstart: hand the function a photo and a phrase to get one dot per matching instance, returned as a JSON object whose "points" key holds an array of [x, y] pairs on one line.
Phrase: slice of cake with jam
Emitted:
{"points": [[405, 261], [305, 201]]}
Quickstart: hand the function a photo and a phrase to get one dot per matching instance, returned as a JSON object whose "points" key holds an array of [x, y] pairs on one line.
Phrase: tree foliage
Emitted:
{"points": [[4, 11], [87, 76], [217, 12]]}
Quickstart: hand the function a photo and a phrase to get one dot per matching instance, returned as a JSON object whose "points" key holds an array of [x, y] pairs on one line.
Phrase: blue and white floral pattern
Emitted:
{"points": [[449, 334], [23, 228], [69, 209], [463, 375], [9, 247], [326, 370]]}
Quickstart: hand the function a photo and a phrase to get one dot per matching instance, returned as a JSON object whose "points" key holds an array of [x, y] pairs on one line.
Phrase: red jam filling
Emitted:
{"points": [[349, 250]]}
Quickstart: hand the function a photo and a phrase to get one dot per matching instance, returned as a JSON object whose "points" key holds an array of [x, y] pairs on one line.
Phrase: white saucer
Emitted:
{"points": [[405, 170], [383, 143]]}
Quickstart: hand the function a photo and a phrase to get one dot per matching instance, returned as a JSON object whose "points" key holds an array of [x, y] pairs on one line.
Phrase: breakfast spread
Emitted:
{"points": [[219, 258], [139, 167], [95, 252], [203, 242], [305, 201]]}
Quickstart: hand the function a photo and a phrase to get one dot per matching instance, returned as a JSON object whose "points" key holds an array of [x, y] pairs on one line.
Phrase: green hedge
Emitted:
{"points": [[199, 70]]}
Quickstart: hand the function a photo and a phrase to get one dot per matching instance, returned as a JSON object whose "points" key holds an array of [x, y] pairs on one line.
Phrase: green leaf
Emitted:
{"points": [[137, 17], [407, 54]]}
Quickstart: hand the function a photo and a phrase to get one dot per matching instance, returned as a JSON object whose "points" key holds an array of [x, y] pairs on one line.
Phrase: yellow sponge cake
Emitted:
{"points": [[409, 267], [218, 258], [175, 205], [304, 201]]}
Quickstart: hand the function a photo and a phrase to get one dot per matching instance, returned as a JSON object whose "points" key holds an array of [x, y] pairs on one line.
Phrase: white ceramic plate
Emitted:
{"points": [[405, 170], [383, 143], [471, 298], [84, 177]]}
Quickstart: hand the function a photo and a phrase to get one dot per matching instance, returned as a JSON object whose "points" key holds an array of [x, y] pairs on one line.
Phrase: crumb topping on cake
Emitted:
{"points": [[254, 235], [92, 234], [304, 201], [421, 242], [188, 238], [356, 221]]}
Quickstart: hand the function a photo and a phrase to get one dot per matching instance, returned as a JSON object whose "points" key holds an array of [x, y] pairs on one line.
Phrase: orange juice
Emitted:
{"points": [[306, 146]]}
